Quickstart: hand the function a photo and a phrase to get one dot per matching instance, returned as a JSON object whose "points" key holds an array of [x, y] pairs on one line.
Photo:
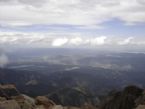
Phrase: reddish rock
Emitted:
{"points": [[42, 100]]}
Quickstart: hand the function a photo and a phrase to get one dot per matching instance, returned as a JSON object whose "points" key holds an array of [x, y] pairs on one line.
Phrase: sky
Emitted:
{"points": [[73, 23]]}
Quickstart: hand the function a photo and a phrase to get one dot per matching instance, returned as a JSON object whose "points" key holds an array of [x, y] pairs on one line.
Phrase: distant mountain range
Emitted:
{"points": [[73, 77], [91, 82]]}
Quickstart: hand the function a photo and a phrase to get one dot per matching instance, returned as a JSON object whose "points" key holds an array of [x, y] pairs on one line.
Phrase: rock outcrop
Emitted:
{"points": [[8, 91], [25, 102], [9, 104], [140, 102], [124, 99], [10, 98], [131, 97], [42, 100]]}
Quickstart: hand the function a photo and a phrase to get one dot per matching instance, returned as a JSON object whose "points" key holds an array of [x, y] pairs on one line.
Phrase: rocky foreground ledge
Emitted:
{"points": [[11, 98], [130, 98]]}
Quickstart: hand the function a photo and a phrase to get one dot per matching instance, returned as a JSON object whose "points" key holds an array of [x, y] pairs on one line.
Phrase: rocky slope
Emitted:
{"points": [[130, 97], [125, 99], [10, 98]]}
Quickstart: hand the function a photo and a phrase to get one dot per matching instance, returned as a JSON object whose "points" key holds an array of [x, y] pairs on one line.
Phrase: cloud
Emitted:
{"points": [[59, 42], [99, 40], [126, 41], [76, 41], [33, 2], [73, 12], [24, 2], [66, 39], [3, 60]]}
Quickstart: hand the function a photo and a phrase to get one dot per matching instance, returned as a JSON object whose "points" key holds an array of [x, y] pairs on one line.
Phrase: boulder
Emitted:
{"points": [[25, 102], [9, 104], [42, 100]]}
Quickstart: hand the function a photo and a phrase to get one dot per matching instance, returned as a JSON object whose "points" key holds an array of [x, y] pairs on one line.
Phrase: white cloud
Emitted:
{"points": [[59, 42], [126, 41], [76, 41], [74, 12], [99, 40]]}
